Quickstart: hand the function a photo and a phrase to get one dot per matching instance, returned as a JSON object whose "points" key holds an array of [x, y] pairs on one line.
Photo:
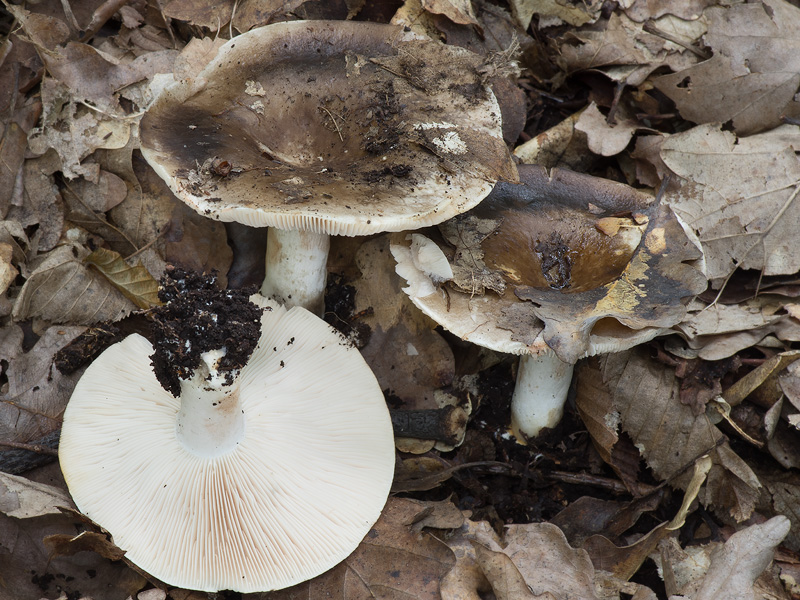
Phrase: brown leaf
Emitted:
{"points": [[253, 13], [504, 577], [213, 15], [458, 11], [91, 77], [739, 196], [62, 289], [719, 330], [13, 142], [86, 541], [646, 398], [392, 562], [22, 498], [36, 393], [29, 571], [408, 358], [754, 73], [197, 244], [74, 132], [624, 43], [736, 565], [606, 139], [135, 283]]}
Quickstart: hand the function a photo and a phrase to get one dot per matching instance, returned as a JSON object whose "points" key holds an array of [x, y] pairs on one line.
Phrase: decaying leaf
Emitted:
{"points": [[553, 12], [538, 553], [470, 275], [646, 404], [35, 395], [135, 283], [393, 561], [733, 567], [606, 139], [753, 76], [623, 49], [721, 330], [739, 195], [62, 289], [22, 498], [409, 359]]}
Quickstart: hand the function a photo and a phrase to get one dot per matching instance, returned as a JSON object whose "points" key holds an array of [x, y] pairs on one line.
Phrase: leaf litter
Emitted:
{"points": [[696, 94]]}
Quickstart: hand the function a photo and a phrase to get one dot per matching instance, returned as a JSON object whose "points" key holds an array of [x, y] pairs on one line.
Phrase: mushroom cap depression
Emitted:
{"points": [[291, 500], [344, 128], [561, 261]]}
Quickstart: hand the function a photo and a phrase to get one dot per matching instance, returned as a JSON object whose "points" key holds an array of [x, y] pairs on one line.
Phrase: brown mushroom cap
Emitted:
{"points": [[335, 127], [567, 261]]}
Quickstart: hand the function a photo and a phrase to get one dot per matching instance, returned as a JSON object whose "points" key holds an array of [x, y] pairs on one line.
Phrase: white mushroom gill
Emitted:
{"points": [[296, 495]]}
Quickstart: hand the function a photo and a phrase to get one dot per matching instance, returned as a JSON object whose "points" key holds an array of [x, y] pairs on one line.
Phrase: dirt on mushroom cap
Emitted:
{"points": [[342, 128]]}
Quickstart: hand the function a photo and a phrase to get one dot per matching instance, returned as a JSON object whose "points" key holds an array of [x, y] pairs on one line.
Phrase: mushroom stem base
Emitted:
{"points": [[540, 394], [297, 269]]}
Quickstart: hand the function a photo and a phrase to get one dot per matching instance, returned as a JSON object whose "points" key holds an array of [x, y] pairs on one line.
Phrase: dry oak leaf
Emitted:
{"points": [[642, 10], [622, 49], [735, 565], [393, 562], [739, 196], [74, 132], [538, 553], [407, 356], [721, 330], [606, 139], [555, 12], [645, 398], [754, 74]]}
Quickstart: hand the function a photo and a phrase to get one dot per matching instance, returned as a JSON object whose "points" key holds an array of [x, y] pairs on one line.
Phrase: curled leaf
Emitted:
{"points": [[136, 283]]}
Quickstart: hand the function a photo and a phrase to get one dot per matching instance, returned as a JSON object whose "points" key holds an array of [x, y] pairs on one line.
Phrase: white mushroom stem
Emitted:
{"points": [[538, 401], [297, 268], [210, 421]]}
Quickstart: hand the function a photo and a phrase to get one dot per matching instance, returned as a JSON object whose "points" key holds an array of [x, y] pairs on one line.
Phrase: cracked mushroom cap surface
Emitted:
{"points": [[345, 128], [561, 261], [291, 500]]}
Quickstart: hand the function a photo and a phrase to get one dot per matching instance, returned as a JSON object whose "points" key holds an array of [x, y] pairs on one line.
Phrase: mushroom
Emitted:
{"points": [[256, 477], [559, 267], [317, 128]]}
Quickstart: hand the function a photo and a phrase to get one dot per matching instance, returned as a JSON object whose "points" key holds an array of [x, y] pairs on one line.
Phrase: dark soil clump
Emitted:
{"points": [[198, 317]]}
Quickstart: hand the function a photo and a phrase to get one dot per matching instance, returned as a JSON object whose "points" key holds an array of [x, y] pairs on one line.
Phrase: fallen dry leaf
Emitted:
{"points": [[409, 359], [35, 395], [393, 561], [62, 289], [135, 283], [646, 405], [22, 498], [718, 331], [623, 49], [738, 195], [733, 566], [753, 76]]}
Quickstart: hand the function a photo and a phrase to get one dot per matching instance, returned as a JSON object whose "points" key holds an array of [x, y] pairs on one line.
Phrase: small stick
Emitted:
{"points": [[442, 424]]}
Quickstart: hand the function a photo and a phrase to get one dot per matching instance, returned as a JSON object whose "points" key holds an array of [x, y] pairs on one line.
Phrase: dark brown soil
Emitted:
{"points": [[198, 317]]}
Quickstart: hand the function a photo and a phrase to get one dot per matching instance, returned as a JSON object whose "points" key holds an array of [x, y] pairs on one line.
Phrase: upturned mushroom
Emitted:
{"points": [[556, 268], [266, 470], [317, 128]]}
